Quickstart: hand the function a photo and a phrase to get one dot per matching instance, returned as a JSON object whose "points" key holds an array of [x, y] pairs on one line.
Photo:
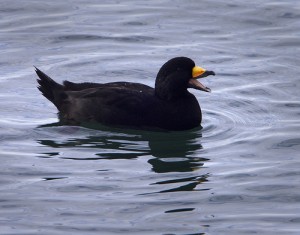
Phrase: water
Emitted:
{"points": [[238, 175]]}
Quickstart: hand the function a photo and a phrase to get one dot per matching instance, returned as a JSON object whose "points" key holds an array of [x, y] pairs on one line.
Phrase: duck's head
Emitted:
{"points": [[178, 74]]}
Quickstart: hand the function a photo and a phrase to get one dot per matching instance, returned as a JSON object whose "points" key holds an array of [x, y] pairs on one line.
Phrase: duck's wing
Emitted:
{"points": [[131, 100], [110, 105], [71, 86]]}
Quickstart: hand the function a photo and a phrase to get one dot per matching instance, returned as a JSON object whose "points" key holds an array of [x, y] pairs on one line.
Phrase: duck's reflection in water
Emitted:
{"points": [[171, 151]]}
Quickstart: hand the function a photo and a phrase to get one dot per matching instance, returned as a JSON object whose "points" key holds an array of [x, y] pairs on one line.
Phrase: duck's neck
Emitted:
{"points": [[171, 87]]}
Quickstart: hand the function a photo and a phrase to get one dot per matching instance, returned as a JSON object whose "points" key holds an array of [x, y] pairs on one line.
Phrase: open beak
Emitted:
{"points": [[199, 72]]}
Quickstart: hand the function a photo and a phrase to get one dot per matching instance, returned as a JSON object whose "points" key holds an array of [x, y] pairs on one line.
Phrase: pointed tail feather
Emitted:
{"points": [[50, 89]]}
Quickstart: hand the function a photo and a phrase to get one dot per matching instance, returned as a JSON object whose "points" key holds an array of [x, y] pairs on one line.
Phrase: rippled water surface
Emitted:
{"points": [[238, 175]]}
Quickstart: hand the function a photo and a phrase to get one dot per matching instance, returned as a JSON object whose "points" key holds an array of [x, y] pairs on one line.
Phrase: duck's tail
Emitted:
{"points": [[50, 89]]}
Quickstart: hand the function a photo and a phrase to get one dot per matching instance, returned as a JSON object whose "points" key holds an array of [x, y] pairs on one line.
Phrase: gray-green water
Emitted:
{"points": [[238, 175]]}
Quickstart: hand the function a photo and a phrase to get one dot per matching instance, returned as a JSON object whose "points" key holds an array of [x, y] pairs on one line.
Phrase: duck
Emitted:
{"points": [[168, 106]]}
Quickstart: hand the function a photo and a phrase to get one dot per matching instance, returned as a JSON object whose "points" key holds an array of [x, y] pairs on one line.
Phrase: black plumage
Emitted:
{"points": [[168, 106]]}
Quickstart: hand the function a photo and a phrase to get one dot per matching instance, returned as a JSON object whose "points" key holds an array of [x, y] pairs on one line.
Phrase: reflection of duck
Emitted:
{"points": [[169, 106], [176, 152], [172, 152]]}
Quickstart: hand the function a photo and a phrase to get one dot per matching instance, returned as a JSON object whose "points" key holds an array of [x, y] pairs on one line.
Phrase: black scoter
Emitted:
{"points": [[168, 106]]}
